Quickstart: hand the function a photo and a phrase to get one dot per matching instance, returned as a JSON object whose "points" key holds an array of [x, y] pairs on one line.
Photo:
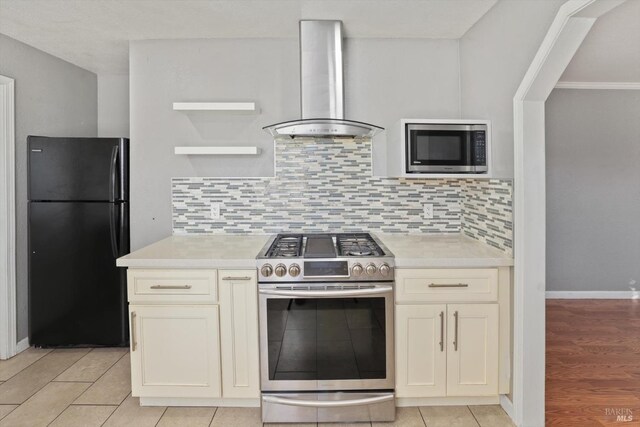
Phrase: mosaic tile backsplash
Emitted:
{"points": [[327, 185], [487, 213]]}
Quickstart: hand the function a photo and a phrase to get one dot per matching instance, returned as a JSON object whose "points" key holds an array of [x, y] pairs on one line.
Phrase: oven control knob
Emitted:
{"points": [[385, 269], [371, 269], [294, 270], [280, 270], [266, 270], [356, 270]]}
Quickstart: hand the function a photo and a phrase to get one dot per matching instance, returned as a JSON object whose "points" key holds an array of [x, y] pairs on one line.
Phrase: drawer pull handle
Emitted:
{"points": [[442, 331], [237, 278], [171, 287], [134, 344], [455, 337], [448, 285]]}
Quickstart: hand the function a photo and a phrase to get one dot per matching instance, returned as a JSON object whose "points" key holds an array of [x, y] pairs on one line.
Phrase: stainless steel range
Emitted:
{"points": [[326, 328]]}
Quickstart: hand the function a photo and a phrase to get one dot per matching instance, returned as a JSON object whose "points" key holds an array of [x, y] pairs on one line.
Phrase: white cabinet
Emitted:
{"points": [[446, 285], [448, 333], [421, 357], [150, 286], [472, 350], [194, 336], [239, 333], [175, 351]]}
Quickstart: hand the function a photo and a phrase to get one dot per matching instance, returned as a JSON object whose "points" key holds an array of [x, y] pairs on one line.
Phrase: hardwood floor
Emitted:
{"points": [[593, 363]]}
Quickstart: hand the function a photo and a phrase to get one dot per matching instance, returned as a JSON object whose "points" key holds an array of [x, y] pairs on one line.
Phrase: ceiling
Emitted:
{"points": [[95, 34], [611, 50]]}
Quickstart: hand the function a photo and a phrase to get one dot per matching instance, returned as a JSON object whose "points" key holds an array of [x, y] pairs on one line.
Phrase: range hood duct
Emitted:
{"points": [[322, 87]]}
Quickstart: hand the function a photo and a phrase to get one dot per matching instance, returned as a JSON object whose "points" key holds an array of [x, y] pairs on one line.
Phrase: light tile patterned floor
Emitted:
{"points": [[91, 387]]}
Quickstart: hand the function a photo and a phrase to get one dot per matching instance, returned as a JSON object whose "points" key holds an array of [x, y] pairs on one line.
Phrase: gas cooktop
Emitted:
{"points": [[325, 257]]}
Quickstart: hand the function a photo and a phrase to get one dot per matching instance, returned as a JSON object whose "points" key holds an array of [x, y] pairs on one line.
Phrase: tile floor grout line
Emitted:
{"points": [[61, 373], [474, 416], [105, 373], [58, 416], [110, 366], [67, 407], [7, 414], [159, 419], [421, 416], [35, 392], [214, 415], [114, 411], [215, 411], [38, 359], [94, 404]]}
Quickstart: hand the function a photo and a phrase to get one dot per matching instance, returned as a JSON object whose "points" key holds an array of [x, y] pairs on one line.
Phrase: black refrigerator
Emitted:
{"points": [[78, 191]]}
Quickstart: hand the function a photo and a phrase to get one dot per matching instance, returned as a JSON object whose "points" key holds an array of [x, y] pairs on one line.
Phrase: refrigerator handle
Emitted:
{"points": [[113, 227], [113, 173]]}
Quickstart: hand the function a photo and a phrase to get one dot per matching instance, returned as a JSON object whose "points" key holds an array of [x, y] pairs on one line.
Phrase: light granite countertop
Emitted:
{"points": [[210, 251], [442, 251], [239, 251]]}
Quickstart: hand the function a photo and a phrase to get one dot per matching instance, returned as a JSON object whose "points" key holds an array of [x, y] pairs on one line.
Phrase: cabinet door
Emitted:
{"points": [[472, 350], [239, 333], [421, 350], [175, 351]]}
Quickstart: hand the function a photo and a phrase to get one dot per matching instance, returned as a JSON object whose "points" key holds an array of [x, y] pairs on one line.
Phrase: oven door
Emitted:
{"points": [[318, 337], [440, 148]]}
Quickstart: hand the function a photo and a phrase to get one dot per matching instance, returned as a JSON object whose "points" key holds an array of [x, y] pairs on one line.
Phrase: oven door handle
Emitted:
{"points": [[326, 293], [328, 403]]}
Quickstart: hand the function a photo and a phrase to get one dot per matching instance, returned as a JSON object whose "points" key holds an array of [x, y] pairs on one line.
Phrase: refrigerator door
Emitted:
{"points": [[77, 295], [78, 169]]}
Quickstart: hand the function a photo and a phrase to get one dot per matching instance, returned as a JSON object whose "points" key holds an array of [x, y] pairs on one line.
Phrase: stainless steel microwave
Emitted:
{"points": [[446, 148]]}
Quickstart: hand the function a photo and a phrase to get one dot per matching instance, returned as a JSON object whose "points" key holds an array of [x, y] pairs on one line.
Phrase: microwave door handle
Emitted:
{"points": [[469, 145]]}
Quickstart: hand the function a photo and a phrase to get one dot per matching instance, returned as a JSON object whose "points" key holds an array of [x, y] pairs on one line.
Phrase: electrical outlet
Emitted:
{"points": [[215, 211], [427, 211]]}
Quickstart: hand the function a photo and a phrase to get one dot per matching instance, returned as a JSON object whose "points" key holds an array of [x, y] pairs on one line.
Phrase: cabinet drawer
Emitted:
{"points": [[446, 285], [172, 286]]}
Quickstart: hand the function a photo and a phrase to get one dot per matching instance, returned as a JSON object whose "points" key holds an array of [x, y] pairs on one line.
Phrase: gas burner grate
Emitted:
{"points": [[287, 246], [360, 244]]}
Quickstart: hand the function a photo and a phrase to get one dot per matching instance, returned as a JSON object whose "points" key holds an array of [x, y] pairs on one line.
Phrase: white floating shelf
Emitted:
{"points": [[217, 151], [248, 107]]}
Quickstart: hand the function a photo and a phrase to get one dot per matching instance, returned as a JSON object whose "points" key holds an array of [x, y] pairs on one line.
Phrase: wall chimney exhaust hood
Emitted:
{"points": [[321, 87]]}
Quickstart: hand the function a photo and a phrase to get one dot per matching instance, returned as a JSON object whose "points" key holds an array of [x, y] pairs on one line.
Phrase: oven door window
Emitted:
{"points": [[326, 339], [440, 148]]}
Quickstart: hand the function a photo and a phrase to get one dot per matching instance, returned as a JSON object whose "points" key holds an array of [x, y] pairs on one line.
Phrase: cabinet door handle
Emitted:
{"points": [[134, 343], [171, 287], [455, 336], [237, 278], [448, 285], [442, 331]]}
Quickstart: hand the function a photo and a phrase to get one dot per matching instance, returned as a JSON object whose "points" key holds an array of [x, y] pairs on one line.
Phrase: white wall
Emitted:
{"points": [[385, 79], [113, 105], [494, 55], [593, 190], [53, 98]]}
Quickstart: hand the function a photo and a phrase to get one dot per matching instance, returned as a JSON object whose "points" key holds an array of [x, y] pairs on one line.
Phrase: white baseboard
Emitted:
{"points": [[593, 294], [507, 405], [22, 345]]}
